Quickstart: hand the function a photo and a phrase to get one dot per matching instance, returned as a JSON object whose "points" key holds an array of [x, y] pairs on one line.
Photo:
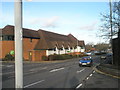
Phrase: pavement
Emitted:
{"points": [[108, 69], [106, 76]]}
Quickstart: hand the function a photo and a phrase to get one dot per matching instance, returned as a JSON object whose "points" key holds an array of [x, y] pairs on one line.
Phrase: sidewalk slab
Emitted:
{"points": [[109, 69]]}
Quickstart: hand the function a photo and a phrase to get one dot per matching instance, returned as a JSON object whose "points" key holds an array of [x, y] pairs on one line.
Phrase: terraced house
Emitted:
{"points": [[38, 43]]}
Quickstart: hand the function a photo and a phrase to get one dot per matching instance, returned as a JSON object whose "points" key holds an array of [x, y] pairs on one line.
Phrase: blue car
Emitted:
{"points": [[85, 61]]}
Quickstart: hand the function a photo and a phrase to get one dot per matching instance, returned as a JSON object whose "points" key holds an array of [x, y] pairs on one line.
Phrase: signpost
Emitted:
{"points": [[18, 45]]}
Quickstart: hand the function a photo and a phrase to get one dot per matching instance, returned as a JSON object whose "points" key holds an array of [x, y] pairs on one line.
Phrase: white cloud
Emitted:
{"points": [[51, 22], [42, 22], [91, 26]]}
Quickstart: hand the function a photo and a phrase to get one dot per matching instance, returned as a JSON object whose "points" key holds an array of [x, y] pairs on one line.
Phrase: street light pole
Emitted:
{"points": [[111, 25], [77, 46], [18, 45]]}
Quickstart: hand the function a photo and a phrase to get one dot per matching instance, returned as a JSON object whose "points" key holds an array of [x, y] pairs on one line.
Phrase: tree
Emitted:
{"points": [[89, 45], [109, 19], [102, 46]]}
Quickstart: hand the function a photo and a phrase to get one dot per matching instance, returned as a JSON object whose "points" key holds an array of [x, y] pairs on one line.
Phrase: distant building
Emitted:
{"points": [[40, 43]]}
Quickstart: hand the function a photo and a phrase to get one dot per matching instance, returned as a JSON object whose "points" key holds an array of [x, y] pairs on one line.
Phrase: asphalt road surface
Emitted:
{"points": [[63, 74]]}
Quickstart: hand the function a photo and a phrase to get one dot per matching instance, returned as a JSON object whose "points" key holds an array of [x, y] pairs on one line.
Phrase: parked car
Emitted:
{"points": [[103, 57], [85, 61], [106, 56], [109, 57], [88, 53]]}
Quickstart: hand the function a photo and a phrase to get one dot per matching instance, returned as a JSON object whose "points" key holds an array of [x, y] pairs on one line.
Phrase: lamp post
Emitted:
{"points": [[111, 26], [77, 46], [18, 45]]}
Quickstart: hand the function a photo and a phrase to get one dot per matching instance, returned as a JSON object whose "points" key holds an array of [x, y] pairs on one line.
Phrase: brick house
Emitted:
{"points": [[53, 43], [30, 39], [40, 43]]}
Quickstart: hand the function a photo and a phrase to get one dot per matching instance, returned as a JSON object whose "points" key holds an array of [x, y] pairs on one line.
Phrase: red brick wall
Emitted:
{"points": [[37, 55], [28, 46], [7, 46]]}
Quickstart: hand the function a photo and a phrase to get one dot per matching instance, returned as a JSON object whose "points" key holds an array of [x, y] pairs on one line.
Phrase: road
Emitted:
{"points": [[61, 74]]}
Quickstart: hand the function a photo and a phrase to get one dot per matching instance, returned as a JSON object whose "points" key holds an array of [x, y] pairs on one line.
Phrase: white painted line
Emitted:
{"points": [[33, 83], [79, 85], [81, 70], [87, 78], [44, 68], [38, 69], [93, 71], [54, 70], [11, 76], [9, 66], [8, 73], [91, 74], [1, 65]]}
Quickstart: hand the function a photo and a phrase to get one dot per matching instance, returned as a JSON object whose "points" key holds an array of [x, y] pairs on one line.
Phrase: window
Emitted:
{"points": [[54, 49], [8, 38], [61, 49], [0, 38], [66, 48], [82, 47], [30, 39]]}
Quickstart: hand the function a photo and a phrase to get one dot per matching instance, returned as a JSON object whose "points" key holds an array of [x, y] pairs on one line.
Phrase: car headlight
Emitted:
{"points": [[79, 62], [88, 62]]}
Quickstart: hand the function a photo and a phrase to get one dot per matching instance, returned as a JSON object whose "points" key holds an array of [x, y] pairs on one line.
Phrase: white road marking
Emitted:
{"points": [[79, 85], [33, 83], [6, 65], [87, 78], [38, 69], [11, 76], [54, 70], [91, 74], [9, 66], [81, 70], [1, 65], [7, 73], [93, 71], [35, 70]]}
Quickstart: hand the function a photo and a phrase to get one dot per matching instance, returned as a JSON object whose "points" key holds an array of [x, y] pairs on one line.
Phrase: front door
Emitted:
{"points": [[30, 55]]}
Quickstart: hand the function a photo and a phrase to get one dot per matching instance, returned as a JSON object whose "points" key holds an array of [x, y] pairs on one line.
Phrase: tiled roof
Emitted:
{"points": [[50, 40], [9, 30]]}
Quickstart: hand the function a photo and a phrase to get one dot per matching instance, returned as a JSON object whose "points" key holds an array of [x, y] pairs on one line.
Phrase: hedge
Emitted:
{"points": [[60, 57]]}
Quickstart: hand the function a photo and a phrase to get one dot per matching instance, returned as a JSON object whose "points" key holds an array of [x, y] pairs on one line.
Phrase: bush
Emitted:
{"points": [[9, 57], [45, 58], [59, 57], [98, 53], [82, 55], [67, 56], [103, 53]]}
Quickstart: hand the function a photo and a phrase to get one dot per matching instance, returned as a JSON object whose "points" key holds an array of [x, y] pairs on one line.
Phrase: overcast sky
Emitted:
{"points": [[82, 19]]}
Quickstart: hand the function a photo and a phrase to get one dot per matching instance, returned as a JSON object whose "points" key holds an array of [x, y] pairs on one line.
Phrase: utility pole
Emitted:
{"points": [[77, 47], [18, 44], [111, 26]]}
